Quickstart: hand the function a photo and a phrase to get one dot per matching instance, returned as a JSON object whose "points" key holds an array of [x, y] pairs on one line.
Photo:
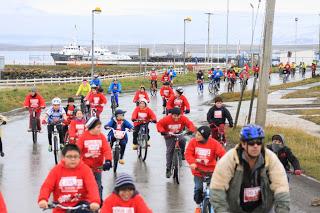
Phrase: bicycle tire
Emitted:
{"points": [[206, 206], [176, 171], [144, 149], [67, 138], [139, 150], [210, 87], [34, 130], [55, 149], [116, 157], [113, 106]]}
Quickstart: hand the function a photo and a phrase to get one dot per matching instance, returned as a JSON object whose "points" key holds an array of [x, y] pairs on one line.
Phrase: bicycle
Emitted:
{"points": [[205, 204], [285, 77], [118, 135], [230, 85], [113, 103], [200, 86], [84, 108], [153, 88], [93, 111], [55, 136], [177, 158], [142, 139], [69, 209], [34, 126], [220, 136], [243, 83]]}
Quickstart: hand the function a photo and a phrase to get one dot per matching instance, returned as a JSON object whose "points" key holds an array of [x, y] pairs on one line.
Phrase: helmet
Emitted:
{"points": [[179, 90], [119, 112], [70, 99], [166, 83], [33, 89], [93, 86], [114, 79], [251, 132], [95, 76], [218, 67], [56, 101], [143, 100]]}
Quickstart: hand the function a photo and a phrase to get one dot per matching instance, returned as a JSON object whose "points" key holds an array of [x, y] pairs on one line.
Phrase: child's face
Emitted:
{"points": [[218, 104], [276, 142], [72, 159], [126, 194], [199, 137], [120, 117], [79, 114], [96, 130], [56, 106], [70, 103]]}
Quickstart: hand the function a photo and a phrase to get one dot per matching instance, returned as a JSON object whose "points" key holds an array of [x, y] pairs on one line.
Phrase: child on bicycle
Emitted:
{"points": [[216, 118], [201, 154], [125, 198], [154, 77], [96, 100], [77, 126], [55, 116], [70, 112], [284, 154], [166, 92], [3, 121], [180, 101], [174, 123], [95, 150], [114, 89], [200, 79], [217, 74], [141, 93], [71, 182], [119, 123], [142, 114]]}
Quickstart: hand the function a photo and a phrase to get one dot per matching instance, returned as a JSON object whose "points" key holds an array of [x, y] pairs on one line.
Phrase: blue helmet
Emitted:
{"points": [[251, 132]]}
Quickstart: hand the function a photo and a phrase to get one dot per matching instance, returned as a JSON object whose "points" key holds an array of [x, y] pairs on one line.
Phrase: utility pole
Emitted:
{"points": [[208, 55], [227, 36], [319, 39], [295, 40], [262, 103]]}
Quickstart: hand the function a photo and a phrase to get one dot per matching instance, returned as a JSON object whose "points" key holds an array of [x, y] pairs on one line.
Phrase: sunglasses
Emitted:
{"points": [[253, 142]]}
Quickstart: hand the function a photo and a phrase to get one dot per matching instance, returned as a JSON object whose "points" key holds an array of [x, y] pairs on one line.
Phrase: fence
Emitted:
{"points": [[35, 81]]}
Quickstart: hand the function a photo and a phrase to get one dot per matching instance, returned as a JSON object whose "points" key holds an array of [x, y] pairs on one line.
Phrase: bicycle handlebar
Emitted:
{"points": [[112, 129], [57, 205]]}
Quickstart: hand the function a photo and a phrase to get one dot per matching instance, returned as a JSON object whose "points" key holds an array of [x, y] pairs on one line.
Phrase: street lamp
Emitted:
{"points": [[188, 19], [319, 38], [227, 36], [295, 46], [252, 32], [97, 10]]}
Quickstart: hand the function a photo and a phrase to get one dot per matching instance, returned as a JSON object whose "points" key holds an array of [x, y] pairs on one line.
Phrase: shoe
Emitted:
{"points": [[197, 210], [2, 154], [121, 161], [50, 148], [61, 146], [29, 130], [182, 157], [168, 173], [148, 143], [164, 112], [135, 147]]}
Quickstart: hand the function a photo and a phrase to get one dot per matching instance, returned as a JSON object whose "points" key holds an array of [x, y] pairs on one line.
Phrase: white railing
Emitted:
{"points": [[65, 80]]}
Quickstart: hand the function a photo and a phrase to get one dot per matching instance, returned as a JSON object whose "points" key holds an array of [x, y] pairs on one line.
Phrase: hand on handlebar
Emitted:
{"points": [[43, 204], [44, 122], [193, 166], [94, 206], [297, 172]]}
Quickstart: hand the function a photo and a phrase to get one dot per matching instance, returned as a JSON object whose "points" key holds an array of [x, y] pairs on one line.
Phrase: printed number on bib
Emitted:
{"points": [[218, 114], [251, 194], [122, 210]]}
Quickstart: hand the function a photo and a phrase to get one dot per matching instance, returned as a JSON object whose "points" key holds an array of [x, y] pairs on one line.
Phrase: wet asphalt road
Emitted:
{"points": [[25, 165]]}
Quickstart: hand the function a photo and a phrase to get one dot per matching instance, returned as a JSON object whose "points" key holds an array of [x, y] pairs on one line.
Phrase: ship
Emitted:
{"points": [[71, 52]]}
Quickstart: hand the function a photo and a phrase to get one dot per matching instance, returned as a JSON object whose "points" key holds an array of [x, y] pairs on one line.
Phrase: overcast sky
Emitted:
{"points": [[33, 22]]}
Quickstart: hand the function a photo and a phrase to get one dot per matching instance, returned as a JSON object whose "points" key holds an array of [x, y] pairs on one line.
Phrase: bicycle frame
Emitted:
{"points": [[68, 208]]}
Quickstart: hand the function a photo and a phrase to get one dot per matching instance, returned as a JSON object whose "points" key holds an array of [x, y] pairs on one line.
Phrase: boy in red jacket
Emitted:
{"points": [[95, 150], [201, 153], [96, 100], [3, 208], [141, 93], [125, 198], [166, 92], [174, 123], [34, 101], [180, 101], [77, 126], [141, 115], [71, 182]]}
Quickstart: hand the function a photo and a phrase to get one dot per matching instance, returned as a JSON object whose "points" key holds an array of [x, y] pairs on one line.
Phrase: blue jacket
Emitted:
{"points": [[114, 87], [125, 125], [173, 72], [96, 81], [217, 74]]}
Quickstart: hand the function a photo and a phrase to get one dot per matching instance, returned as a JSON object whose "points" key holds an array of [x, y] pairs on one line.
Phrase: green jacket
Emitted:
{"points": [[227, 179]]}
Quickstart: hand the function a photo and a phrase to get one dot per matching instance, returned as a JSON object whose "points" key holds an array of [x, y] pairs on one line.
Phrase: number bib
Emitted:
{"points": [[122, 210], [218, 114], [251, 194]]}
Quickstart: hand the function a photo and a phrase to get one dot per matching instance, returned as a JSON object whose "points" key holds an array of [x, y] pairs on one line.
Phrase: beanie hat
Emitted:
{"points": [[124, 180], [175, 111], [92, 123], [205, 131]]}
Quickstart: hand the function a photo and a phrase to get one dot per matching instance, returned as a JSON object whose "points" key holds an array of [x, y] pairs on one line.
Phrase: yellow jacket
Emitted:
{"points": [[84, 90]]}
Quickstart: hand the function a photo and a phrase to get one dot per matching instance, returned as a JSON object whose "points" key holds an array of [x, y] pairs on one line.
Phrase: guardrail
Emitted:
{"points": [[65, 80]]}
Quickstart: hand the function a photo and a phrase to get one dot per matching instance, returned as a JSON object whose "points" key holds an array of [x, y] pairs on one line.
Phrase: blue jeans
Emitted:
{"points": [[97, 176], [198, 189], [116, 97]]}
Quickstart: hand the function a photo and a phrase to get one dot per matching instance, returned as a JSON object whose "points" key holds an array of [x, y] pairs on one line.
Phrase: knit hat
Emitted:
{"points": [[92, 123], [124, 180], [205, 131], [175, 111]]}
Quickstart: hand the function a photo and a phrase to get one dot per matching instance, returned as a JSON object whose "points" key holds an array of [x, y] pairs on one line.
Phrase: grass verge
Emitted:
{"points": [[305, 93], [315, 119], [304, 146], [13, 98]]}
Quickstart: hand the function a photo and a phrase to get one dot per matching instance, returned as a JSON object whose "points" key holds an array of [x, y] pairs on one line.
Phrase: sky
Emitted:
{"points": [[52, 22]]}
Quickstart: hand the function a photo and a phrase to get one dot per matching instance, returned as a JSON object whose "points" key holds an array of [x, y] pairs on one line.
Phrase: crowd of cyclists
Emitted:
{"points": [[247, 178]]}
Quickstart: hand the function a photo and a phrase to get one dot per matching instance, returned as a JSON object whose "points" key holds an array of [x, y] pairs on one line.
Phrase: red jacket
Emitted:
{"points": [[97, 100], [165, 77], [244, 74], [204, 155], [3, 208], [34, 102], [95, 150], [232, 75], [140, 95], [166, 92], [114, 203], [70, 186], [256, 69], [153, 76], [76, 128], [167, 124], [287, 67], [180, 102], [145, 114]]}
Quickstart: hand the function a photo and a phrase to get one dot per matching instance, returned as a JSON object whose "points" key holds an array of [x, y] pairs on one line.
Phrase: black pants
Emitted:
{"points": [[136, 132], [60, 131], [123, 144], [1, 149]]}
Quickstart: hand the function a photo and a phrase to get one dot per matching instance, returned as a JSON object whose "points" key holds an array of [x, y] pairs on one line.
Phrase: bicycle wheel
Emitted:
{"points": [[177, 166], [55, 149], [139, 150], [34, 130], [206, 207], [210, 87], [113, 106], [229, 87], [144, 149], [66, 138], [116, 156]]}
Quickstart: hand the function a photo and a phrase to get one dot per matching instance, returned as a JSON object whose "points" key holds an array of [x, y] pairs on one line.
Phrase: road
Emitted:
{"points": [[25, 165]]}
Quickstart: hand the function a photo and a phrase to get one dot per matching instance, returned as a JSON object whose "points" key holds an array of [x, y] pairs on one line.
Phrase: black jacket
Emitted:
{"points": [[286, 156], [200, 76], [217, 121]]}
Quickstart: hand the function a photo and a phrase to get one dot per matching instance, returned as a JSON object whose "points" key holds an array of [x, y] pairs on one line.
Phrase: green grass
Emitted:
{"points": [[306, 93], [13, 98], [306, 111], [315, 119], [304, 146]]}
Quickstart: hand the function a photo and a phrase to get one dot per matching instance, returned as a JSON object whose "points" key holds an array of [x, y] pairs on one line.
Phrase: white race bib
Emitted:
{"points": [[122, 210], [251, 194]]}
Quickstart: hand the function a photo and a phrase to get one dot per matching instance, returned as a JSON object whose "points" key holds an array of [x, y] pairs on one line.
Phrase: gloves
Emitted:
{"points": [[189, 133], [44, 122], [187, 111], [297, 172], [106, 127], [154, 121], [107, 165], [163, 133], [133, 120]]}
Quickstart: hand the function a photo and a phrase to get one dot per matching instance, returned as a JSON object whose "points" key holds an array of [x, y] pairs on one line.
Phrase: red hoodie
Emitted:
{"points": [[95, 150], [70, 186], [180, 102], [204, 155], [114, 203], [34, 102], [76, 128], [167, 124], [165, 77], [153, 76], [139, 95], [166, 92], [3, 208], [97, 100], [145, 114]]}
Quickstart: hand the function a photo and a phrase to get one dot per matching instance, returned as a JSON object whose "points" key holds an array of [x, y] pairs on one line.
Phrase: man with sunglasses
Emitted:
{"points": [[250, 178]]}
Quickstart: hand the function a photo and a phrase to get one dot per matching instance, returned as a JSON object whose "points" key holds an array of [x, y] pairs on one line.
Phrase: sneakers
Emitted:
{"points": [[50, 148], [61, 146], [29, 130], [121, 161], [197, 210], [135, 147], [148, 143], [2, 154], [164, 112], [168, 173]]}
